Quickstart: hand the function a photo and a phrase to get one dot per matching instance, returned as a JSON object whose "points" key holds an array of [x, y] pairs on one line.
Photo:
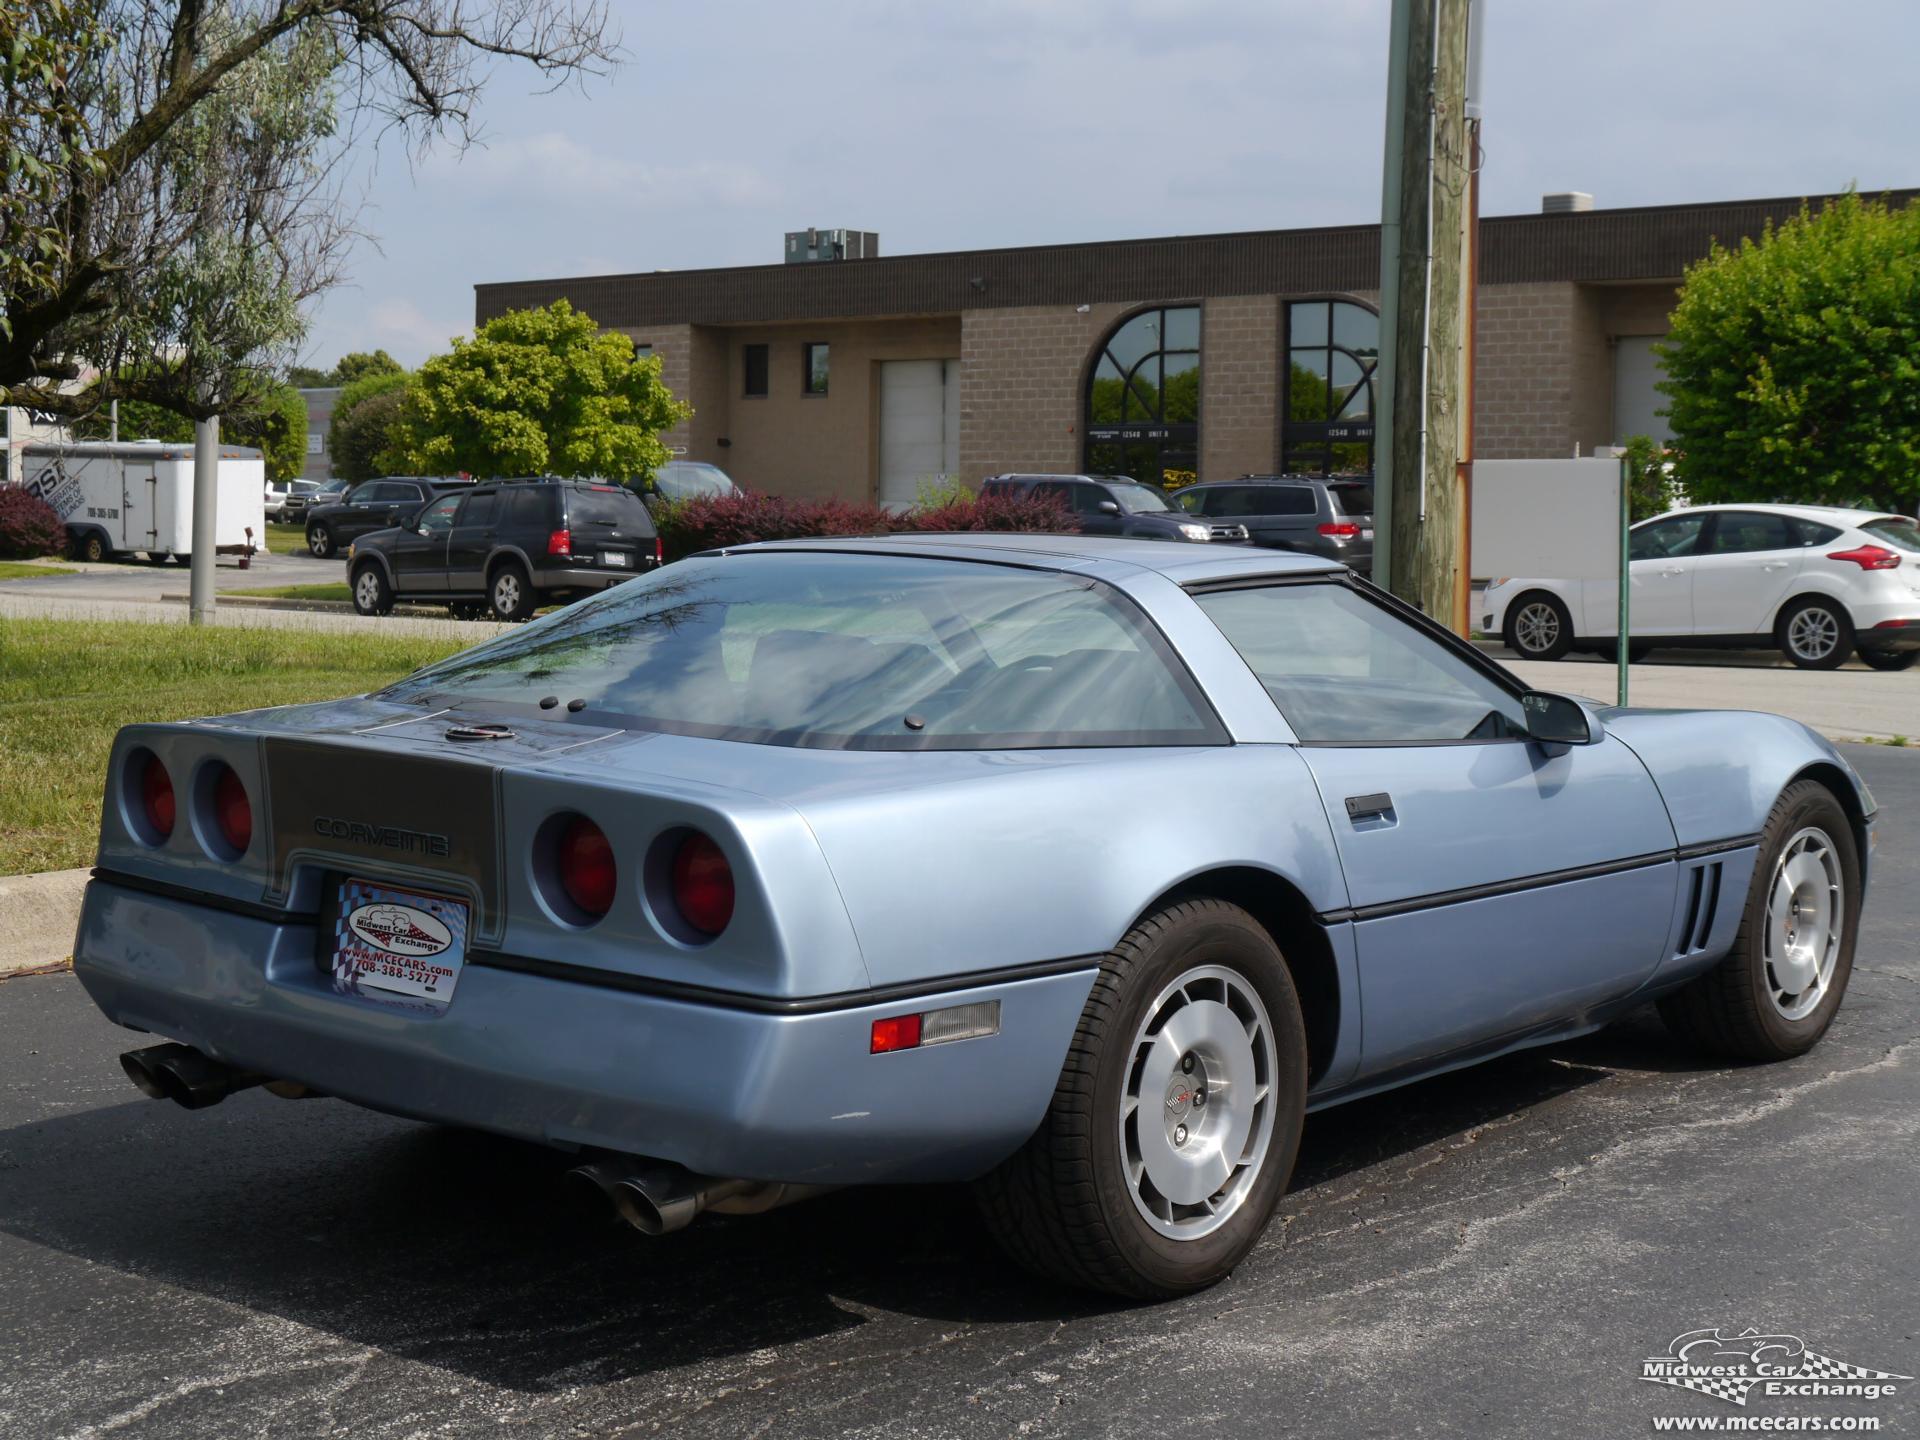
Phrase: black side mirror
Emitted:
{"points": [[1108, 507], [1556, 720]]}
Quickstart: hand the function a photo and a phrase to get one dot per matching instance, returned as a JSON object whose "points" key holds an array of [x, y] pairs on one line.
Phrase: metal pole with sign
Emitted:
{"points": [[1626, 520], [206, 504]]}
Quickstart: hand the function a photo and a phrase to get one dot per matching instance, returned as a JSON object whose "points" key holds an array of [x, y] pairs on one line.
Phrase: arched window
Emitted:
{"points": [[1333, 348], [1143, 398]]}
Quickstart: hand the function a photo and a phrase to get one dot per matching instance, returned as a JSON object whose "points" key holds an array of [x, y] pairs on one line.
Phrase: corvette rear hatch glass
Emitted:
{"points": [[844, 651]]}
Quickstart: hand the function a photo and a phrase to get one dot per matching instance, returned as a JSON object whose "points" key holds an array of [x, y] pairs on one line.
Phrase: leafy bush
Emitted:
{"points": [[354, 442], [1793, 366], [29, 527], [723, 521]]}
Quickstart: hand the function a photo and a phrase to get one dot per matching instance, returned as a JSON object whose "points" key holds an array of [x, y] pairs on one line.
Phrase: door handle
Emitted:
{"points": [[1377, 806], [1774, 565], [1676, 570]]}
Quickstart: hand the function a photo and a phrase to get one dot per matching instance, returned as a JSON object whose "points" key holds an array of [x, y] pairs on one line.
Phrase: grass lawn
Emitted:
{"points": [[336, 591], [25, 570], [67, 685], [286, 539]]}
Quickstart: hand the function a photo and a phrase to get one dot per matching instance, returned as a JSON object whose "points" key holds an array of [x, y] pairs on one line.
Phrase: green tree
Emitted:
{"points": [[363, 434], [356, 447], [358, 365], [1650, 488], [1793, 366], [169, 181], [277, 423], [538, 392]]}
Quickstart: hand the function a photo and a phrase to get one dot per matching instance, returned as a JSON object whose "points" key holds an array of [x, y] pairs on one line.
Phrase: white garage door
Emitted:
{"points": [[919, 426], [1636, 404]]}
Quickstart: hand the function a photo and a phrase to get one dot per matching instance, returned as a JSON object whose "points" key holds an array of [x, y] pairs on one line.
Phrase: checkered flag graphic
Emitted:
{"points": [[1824, 1367]]}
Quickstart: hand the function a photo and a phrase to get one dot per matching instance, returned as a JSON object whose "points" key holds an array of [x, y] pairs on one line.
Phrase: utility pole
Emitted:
{"points": [[1422, 428], [206, 505]]}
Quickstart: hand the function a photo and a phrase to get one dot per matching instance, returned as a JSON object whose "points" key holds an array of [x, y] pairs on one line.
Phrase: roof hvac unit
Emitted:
{"points": [[816, 244], [1566, 202]]}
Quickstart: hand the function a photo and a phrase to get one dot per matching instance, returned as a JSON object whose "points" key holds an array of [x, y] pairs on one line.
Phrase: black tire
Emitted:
{"points": [[372, 595], [1063, 1205], [1731, 1010], [1815, 633], [93, 548], [1538, 627], [156, 557], [1890, 659], [319, 541], [510, 591]]}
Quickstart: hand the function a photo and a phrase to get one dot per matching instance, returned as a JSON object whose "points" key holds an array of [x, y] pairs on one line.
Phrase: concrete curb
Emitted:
{"points": [[38, 914]]}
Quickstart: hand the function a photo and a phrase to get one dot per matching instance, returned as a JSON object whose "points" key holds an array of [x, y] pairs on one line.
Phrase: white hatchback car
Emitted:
{"points": [[1816, 581]]}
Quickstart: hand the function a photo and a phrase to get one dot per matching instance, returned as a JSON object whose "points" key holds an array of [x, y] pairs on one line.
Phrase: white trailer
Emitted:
{"points": [[137, 496]]}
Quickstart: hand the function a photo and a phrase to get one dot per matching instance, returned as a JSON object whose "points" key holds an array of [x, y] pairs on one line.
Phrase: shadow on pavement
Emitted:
{"points": [[462, 1251]]}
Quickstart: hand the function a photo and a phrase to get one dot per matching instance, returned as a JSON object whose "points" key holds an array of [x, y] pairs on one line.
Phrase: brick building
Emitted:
{"points": [[1221, 354]]}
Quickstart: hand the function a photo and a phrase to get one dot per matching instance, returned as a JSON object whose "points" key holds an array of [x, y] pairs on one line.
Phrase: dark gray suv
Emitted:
{"points": [[1116, 505], [1329, 517]]}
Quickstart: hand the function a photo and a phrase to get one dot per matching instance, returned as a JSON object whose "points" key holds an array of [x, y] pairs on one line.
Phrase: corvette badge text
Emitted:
{"points": [[390, 837], [1733, 1367]]}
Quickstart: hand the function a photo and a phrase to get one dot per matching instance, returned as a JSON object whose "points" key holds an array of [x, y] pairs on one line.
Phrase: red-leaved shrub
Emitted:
{"points": [[29, 527], [689, 526]]}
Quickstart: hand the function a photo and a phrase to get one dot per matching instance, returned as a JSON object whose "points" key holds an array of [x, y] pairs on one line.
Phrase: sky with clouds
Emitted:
{"points": [[948, 125]]}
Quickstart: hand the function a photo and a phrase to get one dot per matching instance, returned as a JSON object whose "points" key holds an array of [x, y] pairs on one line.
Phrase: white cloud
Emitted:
{"points": [[552, 165], [396, 323]]}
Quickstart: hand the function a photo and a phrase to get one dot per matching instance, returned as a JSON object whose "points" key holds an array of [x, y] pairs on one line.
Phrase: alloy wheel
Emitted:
{"points": [[1813, 632], [1196, 1120], [1537, 627], [366, 590], [1805, 906], [506, 593]]}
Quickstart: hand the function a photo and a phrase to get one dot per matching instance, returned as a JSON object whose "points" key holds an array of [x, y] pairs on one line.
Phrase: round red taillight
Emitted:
{"points": [[702, 884], [156, 797], [232, 811], [587, 871]]}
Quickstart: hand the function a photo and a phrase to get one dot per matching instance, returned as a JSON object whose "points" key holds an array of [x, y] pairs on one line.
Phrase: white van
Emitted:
{"points": [[128, 496]]}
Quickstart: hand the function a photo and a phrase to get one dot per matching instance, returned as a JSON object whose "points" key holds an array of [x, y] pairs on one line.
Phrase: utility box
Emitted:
{"points": [[806, 246], [138, 496]]}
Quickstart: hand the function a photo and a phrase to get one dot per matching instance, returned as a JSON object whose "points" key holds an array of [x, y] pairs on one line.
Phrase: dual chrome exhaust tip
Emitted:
{"points": [[657, 1197]]}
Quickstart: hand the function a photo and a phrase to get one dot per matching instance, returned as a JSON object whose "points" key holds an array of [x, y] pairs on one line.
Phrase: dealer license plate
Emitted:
{"points": [[398, 941], [615, 557]]}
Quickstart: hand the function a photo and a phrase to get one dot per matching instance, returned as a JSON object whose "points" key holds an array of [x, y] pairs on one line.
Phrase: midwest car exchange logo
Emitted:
{"points": [[1731, 1367]]}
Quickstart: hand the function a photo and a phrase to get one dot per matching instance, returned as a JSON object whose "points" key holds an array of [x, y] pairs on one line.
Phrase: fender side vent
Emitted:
{"points": [[1703, 900]]}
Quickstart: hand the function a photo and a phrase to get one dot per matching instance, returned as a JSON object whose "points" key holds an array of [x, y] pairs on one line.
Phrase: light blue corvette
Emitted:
{"points": [[1079, 869]]}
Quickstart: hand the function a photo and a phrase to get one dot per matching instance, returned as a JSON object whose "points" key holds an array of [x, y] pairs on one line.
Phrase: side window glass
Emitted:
{"points": [[437, 518], [1667, 539], [1748, 532], [1346, 671], [1811, 532], [1194, 502], [479, 509]]}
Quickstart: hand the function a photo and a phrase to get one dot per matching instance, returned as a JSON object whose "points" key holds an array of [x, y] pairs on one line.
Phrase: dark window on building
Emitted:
{"points": [[753, 361], [1143, 398], [1333, 349], [813, 369]]}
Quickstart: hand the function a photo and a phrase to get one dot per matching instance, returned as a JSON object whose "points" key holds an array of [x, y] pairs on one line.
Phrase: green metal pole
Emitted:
{"points": [[1383, 536], [1626, 519]]}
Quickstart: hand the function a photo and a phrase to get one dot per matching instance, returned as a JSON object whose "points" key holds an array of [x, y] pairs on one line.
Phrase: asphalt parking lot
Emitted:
{"points": [[1491, 1253]]}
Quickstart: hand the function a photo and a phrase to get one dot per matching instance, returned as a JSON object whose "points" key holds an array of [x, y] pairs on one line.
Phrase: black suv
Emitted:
{"points": [[506, 548], [1114, 505], [335, 523], [1332, 518]]}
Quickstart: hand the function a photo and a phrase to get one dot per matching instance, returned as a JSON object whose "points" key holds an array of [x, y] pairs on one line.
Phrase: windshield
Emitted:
{"points": [[844, 651], [689, 480], [1902, 534], [1135, 497]]}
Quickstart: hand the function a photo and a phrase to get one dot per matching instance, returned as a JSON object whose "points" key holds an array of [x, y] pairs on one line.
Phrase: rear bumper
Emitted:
{"points": [[721, 1090], [583, 579], [1895, 633]]}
